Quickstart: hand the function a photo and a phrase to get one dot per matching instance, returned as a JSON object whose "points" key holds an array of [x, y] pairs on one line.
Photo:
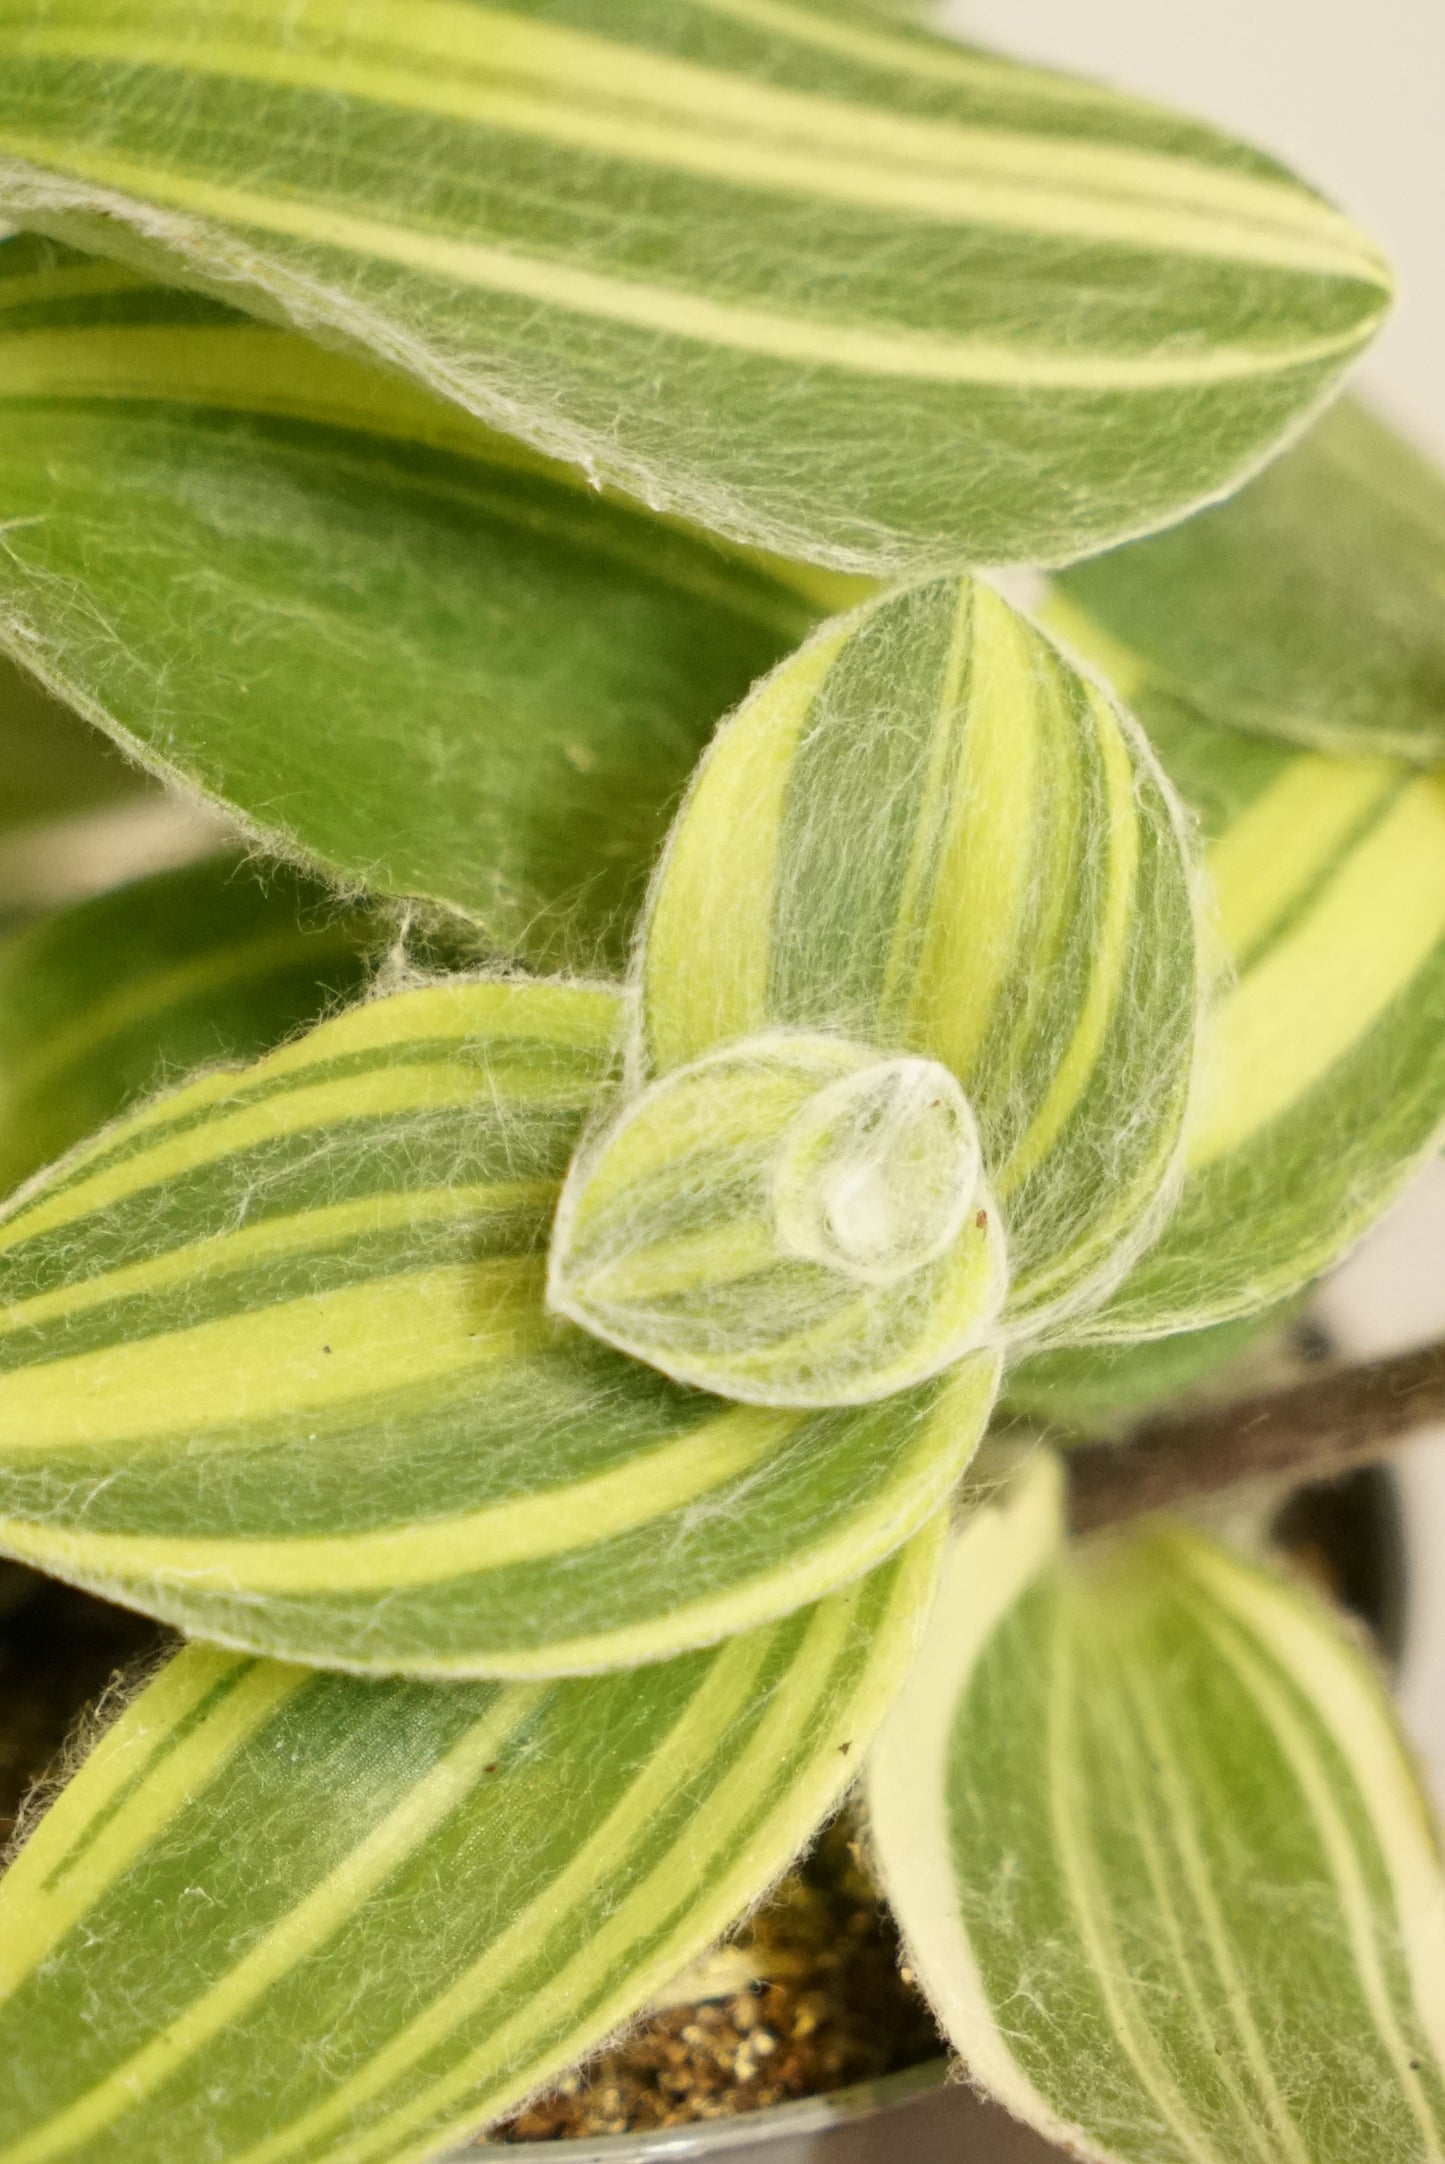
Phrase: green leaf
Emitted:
{"points": [[392, 641], [1103, 1389], [282, 1916], [789, 1221], [1324, 1054], [1160, 1856], [842, 290], [103, 1003], [1311, 607], [929, 834], [276, 1366]]}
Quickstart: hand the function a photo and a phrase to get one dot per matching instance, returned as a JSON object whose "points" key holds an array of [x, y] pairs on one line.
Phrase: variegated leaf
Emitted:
{"points": [[276, 1365], [789, 1220], [1160, 1856], [1324, 1053], [844, 290], [281, 1917], [105, 1002], [929, 834], [392, 641], [1310, 607]]}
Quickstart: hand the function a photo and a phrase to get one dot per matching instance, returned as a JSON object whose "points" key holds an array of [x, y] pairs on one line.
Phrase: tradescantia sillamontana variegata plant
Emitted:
{"points": [[537, 1355]]}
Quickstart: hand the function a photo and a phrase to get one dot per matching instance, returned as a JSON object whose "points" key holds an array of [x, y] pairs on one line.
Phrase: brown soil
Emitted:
{"points": [[830, 2004]]}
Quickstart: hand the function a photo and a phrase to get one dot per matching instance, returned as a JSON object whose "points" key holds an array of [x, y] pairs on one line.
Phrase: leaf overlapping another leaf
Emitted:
{"points": [[1309, 607], [929, 834], [104, 1003], [387, 639], [788, 1220], [275, 1365], [346, 1920], [1324, 1051], [1160, 1856], [842, 290]]}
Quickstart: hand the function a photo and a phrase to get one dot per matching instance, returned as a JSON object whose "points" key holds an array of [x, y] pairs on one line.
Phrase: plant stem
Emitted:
{"points": [[1347, 1417]]}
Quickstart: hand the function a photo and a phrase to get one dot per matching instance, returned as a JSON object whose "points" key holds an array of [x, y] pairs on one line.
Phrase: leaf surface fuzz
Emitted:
{"points": [[927, 832], [275, 1365], [1310, 607], [1161, 1857], [395, 643], [836, 288], [103, 1003], [1323, 1060], [282, 1917]]}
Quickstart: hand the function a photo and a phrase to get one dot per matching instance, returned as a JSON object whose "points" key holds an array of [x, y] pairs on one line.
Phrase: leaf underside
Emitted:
{"points": [[828, 286], [1160, 1857], [390, 640], [995, 879], [338, 1920], [275, 1366]]}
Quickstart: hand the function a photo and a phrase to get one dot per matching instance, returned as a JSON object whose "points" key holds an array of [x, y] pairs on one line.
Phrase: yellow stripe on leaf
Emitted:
{"points": [[1318, 993], [1162, 1905], [544, 1523], [461, 190]]}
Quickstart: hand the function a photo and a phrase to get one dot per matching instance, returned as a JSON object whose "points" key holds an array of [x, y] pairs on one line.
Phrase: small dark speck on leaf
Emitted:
{"points": [[326, 1348], [981, 1220], [844, 1749], [490, 1769]]}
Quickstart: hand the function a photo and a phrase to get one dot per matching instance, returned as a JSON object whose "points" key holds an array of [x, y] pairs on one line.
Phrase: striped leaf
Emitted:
{"points": [[276, 1366], [844, 290], [1324, 1054], [789, 1221], [1311, 607], [283, 1917], [103, 1003], [929, 834], [392, 641], [1161, 1858]]}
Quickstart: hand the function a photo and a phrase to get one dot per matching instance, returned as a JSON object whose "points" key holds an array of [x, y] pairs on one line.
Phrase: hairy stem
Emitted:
{"points": [[1317, 1429]]}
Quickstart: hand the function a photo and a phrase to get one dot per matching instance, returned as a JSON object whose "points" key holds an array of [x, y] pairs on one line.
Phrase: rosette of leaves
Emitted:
{"points": [[899, 994], [539, 1358]]}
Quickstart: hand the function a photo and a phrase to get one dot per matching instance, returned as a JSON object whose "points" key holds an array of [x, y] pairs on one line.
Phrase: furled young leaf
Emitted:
{"points": [[789, 1220], [103, 1003], [846, 291], [387, 638], [282, 1917], [928, 833], [276, 1365], [1310, 607], [1324, 1054], [1160, 1857]]}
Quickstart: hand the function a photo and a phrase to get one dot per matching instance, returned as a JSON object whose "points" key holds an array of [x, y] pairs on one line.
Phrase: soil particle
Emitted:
{"points": [[828, 2004]]}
